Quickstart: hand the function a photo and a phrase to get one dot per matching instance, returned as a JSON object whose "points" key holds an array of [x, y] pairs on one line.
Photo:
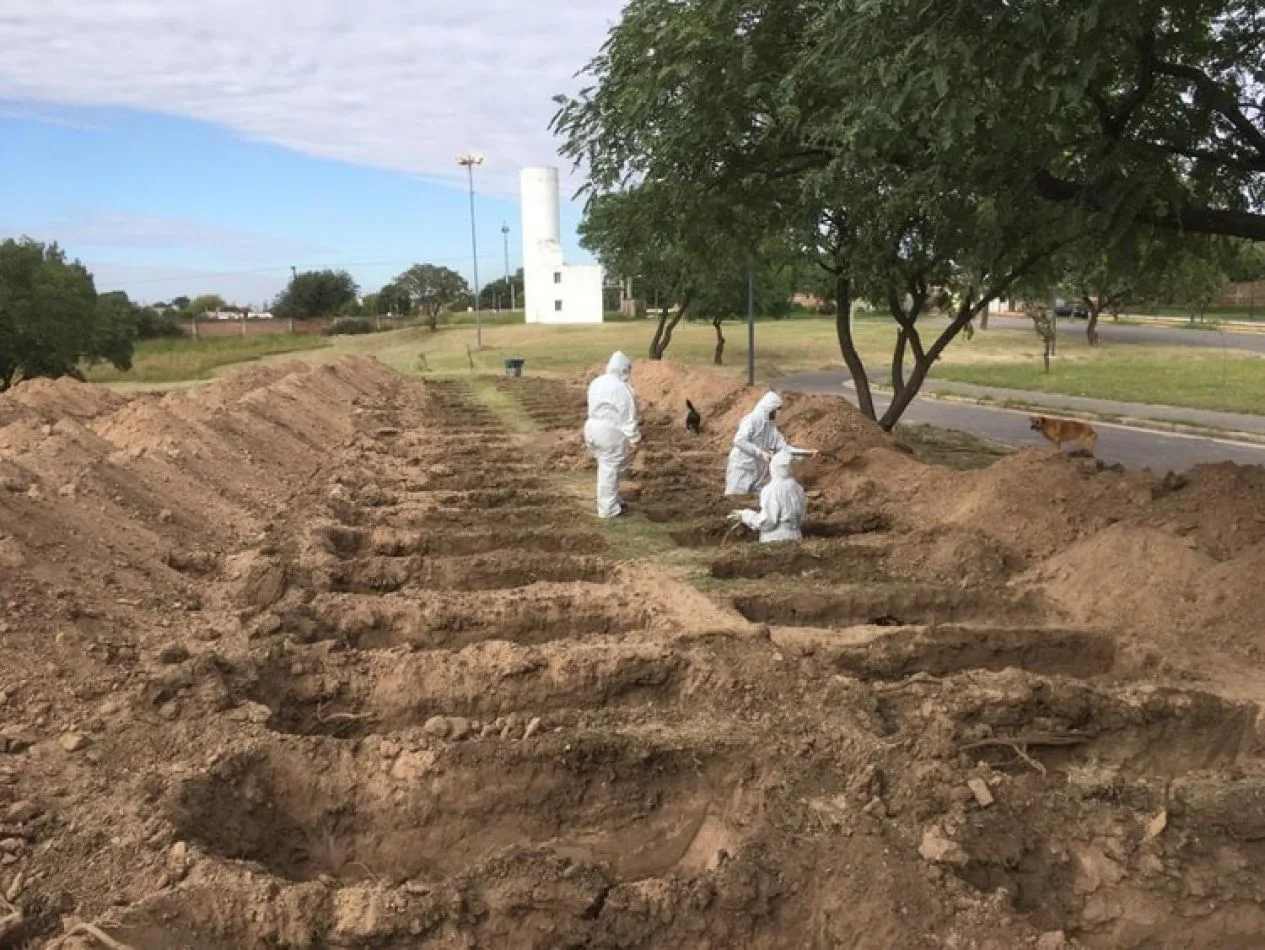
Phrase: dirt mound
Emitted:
{"points": [[1038, 502], [1127, 577], [55, 399], [821, 422], [1221, 506], [1229, 610]]}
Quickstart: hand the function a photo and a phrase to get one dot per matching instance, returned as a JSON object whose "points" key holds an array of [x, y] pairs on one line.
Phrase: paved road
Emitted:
{"points": [[1171, 336], [1133, 448]]}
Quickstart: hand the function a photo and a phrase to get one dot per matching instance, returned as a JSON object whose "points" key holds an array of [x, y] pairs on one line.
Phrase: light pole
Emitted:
{"points": [[750, 324], [468, 162], [505, 230]]}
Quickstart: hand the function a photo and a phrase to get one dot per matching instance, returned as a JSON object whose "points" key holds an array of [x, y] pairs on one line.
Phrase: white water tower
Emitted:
{"points": [[554, 291]]}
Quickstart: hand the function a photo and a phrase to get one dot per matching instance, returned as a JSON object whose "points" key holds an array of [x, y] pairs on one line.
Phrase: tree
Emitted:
{"points": [[1245, 262], [115, 333], [676, 240], [431, 288], [734, 104], [203, 304], [51, 319], [391, 299], [1133, 111], [497, 293], [322, 293], [1193, 281], [179, 303], [723, 290], [922, 170], [152, 323]]}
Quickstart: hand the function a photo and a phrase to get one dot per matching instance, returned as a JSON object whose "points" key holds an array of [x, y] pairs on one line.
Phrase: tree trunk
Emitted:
{"points": [[847, 345], [656, 350], [718, 358], [663, 332], [1045, 355], [983, 319], [900, 402], [922, 366], [432, 318], [1091, 326], [898, 365]]}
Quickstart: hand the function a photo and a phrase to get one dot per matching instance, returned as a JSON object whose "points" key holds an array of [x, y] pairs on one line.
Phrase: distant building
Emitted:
{"points": [[555, 291]]}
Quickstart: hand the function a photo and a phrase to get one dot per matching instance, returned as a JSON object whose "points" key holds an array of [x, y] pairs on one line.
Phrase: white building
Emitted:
{"points": [[556, 292]]}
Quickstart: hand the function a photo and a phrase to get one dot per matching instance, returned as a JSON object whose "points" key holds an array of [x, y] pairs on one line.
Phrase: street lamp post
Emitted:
{"points": [[505, 230], [469, 162]]}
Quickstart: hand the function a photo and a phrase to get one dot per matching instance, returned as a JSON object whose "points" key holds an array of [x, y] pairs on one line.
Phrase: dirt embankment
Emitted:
{"points": [[328, 658]]}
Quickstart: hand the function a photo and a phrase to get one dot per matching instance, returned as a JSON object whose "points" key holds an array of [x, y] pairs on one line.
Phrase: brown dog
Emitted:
{"points": [[1059, 431]]}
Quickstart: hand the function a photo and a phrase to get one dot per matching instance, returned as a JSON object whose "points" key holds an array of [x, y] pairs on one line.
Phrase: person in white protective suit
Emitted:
{"points": [[612, 431], [755, 443], [782, 504]]}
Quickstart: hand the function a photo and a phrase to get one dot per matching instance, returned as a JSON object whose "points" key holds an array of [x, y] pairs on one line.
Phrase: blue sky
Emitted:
{"points": [[192, 146]]}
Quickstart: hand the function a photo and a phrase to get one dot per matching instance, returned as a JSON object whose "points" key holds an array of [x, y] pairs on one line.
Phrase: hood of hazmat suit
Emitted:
{"points": [[756, 439], [612, 428], [619, 365], [782, 504]]}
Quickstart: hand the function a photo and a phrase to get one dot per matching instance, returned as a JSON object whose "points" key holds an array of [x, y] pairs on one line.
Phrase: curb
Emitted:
{"points": [[1251, 439]]}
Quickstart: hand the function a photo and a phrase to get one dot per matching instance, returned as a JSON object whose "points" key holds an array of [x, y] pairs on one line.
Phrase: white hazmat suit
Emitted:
{"points": [[611, 431], [756, 441], [782, 505]]}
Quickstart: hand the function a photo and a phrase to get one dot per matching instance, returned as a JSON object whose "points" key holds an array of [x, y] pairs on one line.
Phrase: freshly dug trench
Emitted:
{"points": [[707, 535], [452, 543], [312, 693], [891, 653], [495, 498], [884, 605], [1096, 818], [459, 620], [496, 571], [850, 562], [467, 480], [431, 813], [448, 517]]}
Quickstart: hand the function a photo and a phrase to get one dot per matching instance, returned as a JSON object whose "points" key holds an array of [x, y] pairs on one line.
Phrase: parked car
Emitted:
{"points": [[1065, 308]]}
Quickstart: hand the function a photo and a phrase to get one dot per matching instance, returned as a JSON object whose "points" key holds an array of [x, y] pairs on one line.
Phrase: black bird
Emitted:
{"points": [[693, 421]]}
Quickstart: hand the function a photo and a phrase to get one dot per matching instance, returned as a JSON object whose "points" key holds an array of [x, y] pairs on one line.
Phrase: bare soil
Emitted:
{"points": [[327, 658]]}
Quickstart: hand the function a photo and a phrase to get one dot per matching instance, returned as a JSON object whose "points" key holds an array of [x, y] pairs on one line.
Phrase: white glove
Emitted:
{"points": [[767, 456], [735, 515]]}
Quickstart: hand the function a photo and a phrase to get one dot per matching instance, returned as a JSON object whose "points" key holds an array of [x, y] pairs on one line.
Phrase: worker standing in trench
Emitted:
{"points": [[612, 432], [782, 504], [755, 443]]}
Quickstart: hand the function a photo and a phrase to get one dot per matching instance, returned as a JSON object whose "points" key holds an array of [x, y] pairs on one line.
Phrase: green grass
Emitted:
{"points": [[1216, 313], [169, 361], [1228, 382], [1135, 372]]}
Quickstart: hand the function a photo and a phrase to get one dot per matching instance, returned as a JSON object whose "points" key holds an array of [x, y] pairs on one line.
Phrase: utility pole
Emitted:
{"points": [[750, 324], [505, 230], [468, 162]]}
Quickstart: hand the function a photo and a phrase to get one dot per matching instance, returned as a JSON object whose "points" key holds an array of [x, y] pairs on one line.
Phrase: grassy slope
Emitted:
{"points": [[172, 361]]}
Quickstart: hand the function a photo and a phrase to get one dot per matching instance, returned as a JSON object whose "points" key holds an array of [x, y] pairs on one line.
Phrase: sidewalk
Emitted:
{"points": [[1236, 422]]}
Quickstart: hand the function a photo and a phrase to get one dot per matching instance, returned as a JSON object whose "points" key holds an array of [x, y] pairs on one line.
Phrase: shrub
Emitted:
{"points": [[348, 326]]}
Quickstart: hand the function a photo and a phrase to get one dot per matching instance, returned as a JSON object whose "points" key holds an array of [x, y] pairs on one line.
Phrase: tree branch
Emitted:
{"points": [[1193, 218], [1220, 98]]}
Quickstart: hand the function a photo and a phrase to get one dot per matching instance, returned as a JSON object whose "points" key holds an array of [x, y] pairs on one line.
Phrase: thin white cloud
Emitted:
{"points": [[403, 85], [150, 284], [26, 114], [115, 229]]}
